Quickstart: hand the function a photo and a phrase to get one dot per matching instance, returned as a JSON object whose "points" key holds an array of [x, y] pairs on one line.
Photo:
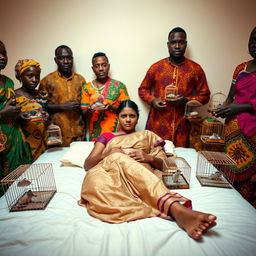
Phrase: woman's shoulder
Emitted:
{"points": [[105, 137], [8, 80], [239, 68]]}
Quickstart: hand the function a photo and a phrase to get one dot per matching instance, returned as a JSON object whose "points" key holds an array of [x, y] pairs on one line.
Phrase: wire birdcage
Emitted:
{"points": [[213, 131], [29, 187], [54, 137], [215, 169], [193, 109], [176, 173]]}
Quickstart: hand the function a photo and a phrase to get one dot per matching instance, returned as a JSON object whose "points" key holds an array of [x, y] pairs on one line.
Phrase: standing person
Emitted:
{"points": [[120, 185], [30, 99], [107, 93], [14, 151], [64, 95], [240, 129], [166, 118]]}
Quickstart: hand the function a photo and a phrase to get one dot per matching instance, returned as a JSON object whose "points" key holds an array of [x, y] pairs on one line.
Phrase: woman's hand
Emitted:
{"points": [[233, 109], [11, 110], [141, 156]]}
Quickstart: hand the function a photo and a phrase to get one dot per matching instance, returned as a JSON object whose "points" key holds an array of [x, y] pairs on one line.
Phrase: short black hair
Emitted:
{"points": [[177, 29], [129, 104], [99, 54], [61, 47]]}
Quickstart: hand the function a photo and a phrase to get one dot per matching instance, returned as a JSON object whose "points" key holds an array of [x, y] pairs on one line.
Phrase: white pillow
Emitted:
{"points": [[77, 153], [169, 147]]}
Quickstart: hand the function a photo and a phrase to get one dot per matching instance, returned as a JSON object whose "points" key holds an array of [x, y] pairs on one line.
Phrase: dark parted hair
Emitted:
{"points": [[177, 29], [127, 104], [62, 47], [99, 54]]}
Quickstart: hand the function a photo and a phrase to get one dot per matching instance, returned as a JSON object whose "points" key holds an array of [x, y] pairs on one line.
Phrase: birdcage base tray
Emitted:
{"points": [[170, 184], [207, 140], [221, 183], [38, 202]]}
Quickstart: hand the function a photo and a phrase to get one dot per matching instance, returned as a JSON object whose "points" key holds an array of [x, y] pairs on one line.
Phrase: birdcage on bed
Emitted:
{"points": [[29, 187], [176, 173], [214, 169], [213, 131]]}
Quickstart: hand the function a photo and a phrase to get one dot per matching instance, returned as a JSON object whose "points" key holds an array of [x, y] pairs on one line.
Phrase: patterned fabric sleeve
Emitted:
{"points": [[85, 98], [146, 86], [237, 71], [105, 138], [202, 93], [123, 93]]}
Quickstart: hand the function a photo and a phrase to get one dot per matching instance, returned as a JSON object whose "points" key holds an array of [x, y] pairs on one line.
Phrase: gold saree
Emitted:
{"points": [[120, 189]]}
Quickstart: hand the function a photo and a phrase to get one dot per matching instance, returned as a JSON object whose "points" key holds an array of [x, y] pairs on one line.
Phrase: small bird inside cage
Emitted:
{"points": [[215, 176], [176, 175], [26, 198]]}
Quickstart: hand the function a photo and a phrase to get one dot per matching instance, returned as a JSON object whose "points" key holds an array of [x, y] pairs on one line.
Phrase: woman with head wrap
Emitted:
{"points": [[33, 105], [13, 149]]}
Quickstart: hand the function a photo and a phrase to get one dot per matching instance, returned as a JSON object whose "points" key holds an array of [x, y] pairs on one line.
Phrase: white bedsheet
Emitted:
{"points": [[64, 228]]}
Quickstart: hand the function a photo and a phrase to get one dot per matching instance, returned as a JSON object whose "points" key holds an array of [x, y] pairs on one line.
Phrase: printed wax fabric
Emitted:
{"points": [[112, 92], [34, 131], [16, 150], [190, 79], [60, 90]]}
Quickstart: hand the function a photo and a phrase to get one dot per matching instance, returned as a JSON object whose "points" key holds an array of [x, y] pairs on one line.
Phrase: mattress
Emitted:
{"points": [[65, 228]]}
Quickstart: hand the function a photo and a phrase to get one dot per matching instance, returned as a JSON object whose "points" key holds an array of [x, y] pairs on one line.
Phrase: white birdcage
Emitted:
{"points": [[213, 131], [214, 169], [176, 173], [193, 109], [217, 100], [54, 137], [29, 187]]}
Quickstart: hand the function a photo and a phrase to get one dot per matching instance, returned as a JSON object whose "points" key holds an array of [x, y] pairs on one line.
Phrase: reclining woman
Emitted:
{"points": [[120, 185]]}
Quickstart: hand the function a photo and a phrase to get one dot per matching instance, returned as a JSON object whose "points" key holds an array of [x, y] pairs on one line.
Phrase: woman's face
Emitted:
{"points": [[3, 57], [128, 119], [30, 78]]}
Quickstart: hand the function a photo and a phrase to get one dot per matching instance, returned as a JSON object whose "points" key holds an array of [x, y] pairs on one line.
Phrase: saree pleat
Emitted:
{"points": [[120, 189]]}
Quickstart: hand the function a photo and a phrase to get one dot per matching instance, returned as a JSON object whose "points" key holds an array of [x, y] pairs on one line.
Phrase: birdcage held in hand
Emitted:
{"points": [[29, 187]]}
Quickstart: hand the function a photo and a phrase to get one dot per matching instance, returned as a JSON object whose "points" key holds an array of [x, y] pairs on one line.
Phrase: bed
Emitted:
{"points": [[64, 228]]}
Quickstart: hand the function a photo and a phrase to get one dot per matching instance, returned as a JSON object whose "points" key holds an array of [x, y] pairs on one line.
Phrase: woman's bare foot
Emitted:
{"points": [[193, 222]]}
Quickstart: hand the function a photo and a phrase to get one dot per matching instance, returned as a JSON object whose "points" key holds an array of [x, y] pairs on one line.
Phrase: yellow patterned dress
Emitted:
{"points": [[34, 131]]}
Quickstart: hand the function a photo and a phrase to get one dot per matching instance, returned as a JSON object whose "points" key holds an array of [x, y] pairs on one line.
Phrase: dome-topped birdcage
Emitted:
{"points": [[54, 137], [172, 92], [193, 109], [217, 100], [213, 131]]}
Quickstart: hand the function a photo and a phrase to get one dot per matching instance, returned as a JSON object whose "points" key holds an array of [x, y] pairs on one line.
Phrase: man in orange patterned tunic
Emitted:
{"points": [[64, 89], [166, 116]]}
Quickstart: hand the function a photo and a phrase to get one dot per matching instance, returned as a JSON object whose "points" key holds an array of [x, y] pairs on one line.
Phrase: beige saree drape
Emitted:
{"points": [[120, 189]]}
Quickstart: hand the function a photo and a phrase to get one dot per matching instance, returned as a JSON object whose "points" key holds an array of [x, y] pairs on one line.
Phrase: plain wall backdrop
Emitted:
{"points": [[133, 34]]}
